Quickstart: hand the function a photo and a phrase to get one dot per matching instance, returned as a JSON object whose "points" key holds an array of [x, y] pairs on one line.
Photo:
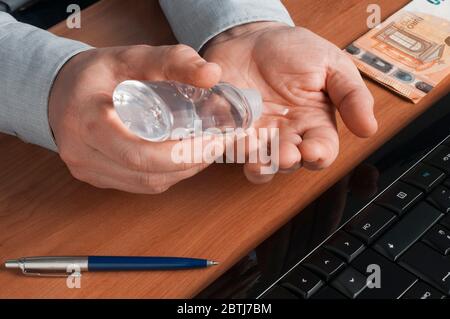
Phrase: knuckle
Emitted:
{"points": [[78, 174], [85, 176], [156, 185], [158, 189], [141, 47], [175, 50], [69, 157], [127, 55], [181, 48], [109, 117], [130, 52], [131, 158], [145, 180]]}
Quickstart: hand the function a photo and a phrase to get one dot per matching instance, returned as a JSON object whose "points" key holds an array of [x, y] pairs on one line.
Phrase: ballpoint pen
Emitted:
{"points": [[64, 266]]}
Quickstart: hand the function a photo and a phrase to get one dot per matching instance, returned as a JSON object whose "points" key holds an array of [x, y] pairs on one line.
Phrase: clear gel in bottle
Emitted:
{"points": [[153, 110]]}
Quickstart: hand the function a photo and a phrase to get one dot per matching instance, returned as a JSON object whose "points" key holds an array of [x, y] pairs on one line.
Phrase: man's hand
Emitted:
{"points": [[92, 140], [295, 69]]}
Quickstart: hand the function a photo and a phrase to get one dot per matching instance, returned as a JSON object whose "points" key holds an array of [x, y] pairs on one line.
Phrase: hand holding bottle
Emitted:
{"points": [[96, 146]]}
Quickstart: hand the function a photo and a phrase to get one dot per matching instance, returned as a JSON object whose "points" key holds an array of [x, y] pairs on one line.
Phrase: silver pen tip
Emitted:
{"points": [[212, 263], [12, 264]]}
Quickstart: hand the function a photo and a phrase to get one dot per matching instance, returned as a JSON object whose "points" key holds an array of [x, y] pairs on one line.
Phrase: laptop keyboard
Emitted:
{"points": [[404, 234]]}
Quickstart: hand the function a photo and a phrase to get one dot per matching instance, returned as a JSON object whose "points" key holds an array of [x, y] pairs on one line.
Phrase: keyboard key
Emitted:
{"points": [[324, 263], [440, 158], [421, 290], [407, 231], [424, 176], [440, 198], [278, 292], [438, 237], [429, 265], [350, 282], [370, 223], [399, 197], [328, 293], [446, 221], [394, 280], [303, 282], [345, 246]]}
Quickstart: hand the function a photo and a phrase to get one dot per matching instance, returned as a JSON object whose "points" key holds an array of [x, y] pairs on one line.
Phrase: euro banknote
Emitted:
{"points": [[410, 51]]}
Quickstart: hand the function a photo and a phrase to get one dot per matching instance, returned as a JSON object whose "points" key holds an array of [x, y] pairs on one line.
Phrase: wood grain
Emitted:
{"points": [[217, 214]]}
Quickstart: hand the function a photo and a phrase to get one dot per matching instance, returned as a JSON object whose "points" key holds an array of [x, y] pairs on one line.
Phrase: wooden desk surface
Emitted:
{"points": [[217, 214]]}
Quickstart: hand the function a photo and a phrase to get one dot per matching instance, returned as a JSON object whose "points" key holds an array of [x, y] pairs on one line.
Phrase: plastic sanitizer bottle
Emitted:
{"points": [[153, 110]]}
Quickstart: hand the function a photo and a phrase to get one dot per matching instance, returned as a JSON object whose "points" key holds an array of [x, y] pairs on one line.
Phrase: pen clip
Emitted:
{"points": [[51, 274]]}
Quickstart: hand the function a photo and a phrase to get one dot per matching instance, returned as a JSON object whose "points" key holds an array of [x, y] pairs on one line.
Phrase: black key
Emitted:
{"points": [[278, 292], [370, 223], [394, 280], [440, 158], [399, 197], [324, 263], [424, 176], [438, 237], [429, 265], [303, 282], [350, 282], [447, 183], [446, 221], [421, 290], [328, 293], [440, 198], [345, 246], [407, 231]]}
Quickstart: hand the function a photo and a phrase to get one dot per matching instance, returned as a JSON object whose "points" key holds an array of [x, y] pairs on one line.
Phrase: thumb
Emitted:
{"points": [[176, 62], [182, 63], [351, 96]]}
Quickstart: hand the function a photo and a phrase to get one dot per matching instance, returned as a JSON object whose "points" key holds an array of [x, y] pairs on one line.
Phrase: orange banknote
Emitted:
{"points": [[410, 51]]}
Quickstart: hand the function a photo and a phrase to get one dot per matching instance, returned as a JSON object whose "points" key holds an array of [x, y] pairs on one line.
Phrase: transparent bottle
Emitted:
{"points": [[154, 110]]}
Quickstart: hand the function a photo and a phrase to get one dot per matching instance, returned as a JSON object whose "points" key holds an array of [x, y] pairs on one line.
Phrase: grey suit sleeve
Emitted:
{"points": [[195, 22], [30, 59]]}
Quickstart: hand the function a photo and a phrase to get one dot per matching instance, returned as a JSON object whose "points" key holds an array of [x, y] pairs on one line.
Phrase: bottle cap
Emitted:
{"points": [[255, 102]]}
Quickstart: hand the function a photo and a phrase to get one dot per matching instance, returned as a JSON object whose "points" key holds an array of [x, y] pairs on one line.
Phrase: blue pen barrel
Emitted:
{"points": [[104, 263]]}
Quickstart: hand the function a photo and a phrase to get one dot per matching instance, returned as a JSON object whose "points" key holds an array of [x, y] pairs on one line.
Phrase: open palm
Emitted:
{"points": [[303, 79]]}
